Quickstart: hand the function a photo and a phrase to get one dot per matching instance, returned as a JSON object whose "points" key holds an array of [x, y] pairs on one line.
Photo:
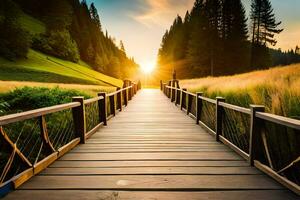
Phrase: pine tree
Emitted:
{"points": [[198, 46], [122, 47], [234, 35], [264, 28], [95, 16]]}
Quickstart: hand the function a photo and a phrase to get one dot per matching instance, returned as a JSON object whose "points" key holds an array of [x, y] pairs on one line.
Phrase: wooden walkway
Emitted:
{"points": [[152, 150]]}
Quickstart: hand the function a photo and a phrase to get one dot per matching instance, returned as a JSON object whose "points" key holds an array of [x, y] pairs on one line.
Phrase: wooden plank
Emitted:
{"points": [[282, 180], [152, 171], [154, 145], [148, 163], [140, 150], [153, 156], [37, 168], [22, 178], [148, 142], [157, 182], [148, 195], [63, 150]]}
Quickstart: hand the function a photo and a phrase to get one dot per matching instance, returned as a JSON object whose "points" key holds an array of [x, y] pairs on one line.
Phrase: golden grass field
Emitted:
{"points": [[7, 86], [277, 88]]}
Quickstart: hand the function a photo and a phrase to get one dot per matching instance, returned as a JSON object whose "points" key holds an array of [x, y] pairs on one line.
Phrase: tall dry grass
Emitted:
{"points": [[277, 88]]}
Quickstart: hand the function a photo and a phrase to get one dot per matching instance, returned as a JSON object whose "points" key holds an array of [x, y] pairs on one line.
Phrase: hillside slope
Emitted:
{"points": [[39, 67], [43, 68]]}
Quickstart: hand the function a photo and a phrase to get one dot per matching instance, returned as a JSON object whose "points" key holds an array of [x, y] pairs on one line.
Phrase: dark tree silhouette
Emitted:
{"points": [[264, 28]]}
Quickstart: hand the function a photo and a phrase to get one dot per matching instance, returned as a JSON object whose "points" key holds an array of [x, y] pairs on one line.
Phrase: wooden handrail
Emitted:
{"points": [[292, 123], [213, 101], [235, 108], [89, 101], [8, 119], [116, 92]]}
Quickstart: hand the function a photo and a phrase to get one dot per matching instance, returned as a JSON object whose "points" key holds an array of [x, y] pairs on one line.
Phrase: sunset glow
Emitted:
{"points": [[148, 67]]}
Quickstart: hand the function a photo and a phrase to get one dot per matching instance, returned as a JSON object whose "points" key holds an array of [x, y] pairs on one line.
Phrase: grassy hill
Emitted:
{"points": [[31, 24], [39, 67], [43, 68], [277, 88]]}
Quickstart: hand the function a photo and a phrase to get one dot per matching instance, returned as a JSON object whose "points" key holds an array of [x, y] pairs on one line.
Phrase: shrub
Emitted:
{"points": [[57, 43], [29, 98], [14, 41]]}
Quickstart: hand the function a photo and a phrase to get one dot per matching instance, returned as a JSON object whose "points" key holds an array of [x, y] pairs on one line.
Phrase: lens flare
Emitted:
{"points": [[148, 67]]}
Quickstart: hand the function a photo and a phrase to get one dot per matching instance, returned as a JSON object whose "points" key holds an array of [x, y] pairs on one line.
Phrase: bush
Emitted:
{"points": [[14, 41], [57, 43], [29, 98]]}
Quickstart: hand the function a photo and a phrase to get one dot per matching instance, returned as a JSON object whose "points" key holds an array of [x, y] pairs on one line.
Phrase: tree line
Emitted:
{"points": [[73, 32], [214, 39]]}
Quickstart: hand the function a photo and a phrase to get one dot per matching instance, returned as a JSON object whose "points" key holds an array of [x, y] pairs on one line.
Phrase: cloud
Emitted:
{"points": [[161, 12]]}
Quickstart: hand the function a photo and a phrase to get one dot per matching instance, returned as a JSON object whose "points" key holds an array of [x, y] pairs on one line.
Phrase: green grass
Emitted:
{"points": [[39, 67], [32, 25], [43, 68]]}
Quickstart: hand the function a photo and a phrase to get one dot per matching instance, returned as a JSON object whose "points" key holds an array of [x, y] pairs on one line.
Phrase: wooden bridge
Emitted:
{"points": [[151, 150]]}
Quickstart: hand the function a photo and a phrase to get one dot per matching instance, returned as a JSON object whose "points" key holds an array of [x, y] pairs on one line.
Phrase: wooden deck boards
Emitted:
{"points": [[151, 150]]}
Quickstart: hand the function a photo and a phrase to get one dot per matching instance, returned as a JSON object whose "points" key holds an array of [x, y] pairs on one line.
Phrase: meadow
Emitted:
{"points": [[277, 88]]}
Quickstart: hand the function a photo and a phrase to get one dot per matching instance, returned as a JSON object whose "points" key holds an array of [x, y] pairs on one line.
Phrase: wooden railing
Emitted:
{"points": [[31, 141], [269, 142]]}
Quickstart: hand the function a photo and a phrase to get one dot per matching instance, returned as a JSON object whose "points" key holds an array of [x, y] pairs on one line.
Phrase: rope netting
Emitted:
{"points": [[236, 128], [92, 115], [281, 149], [208, 114]]}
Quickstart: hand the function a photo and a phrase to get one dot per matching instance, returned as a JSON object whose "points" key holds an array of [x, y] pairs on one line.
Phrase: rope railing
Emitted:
{"points": [[269, 142], [30, 141]]}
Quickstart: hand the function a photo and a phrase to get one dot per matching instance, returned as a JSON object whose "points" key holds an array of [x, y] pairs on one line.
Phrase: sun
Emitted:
{"points": [[148, 67]]}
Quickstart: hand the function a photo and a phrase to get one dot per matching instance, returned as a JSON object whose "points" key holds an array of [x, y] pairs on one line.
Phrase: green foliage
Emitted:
{"points": [[14, 40], [57, 43], [28, 98], [95, 48], [4, 107]]}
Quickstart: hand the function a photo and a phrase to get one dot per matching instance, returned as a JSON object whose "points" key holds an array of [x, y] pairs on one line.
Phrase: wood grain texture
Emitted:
{"points": [[151, 150], [155, 195]]}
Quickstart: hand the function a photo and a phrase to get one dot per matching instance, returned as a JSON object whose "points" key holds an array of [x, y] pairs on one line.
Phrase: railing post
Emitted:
{"points": [[176, 95], [188, 106], [112, 101], [119, 99], [182, 97], [161, 85], [171, 94], [79, 119], [254, 132], [198, 106], [102, 108], [129, 94], [125, 97], [219, 117]]}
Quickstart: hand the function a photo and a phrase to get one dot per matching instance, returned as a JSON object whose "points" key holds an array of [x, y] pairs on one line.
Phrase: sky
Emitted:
{"points": [[140, 24]]}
